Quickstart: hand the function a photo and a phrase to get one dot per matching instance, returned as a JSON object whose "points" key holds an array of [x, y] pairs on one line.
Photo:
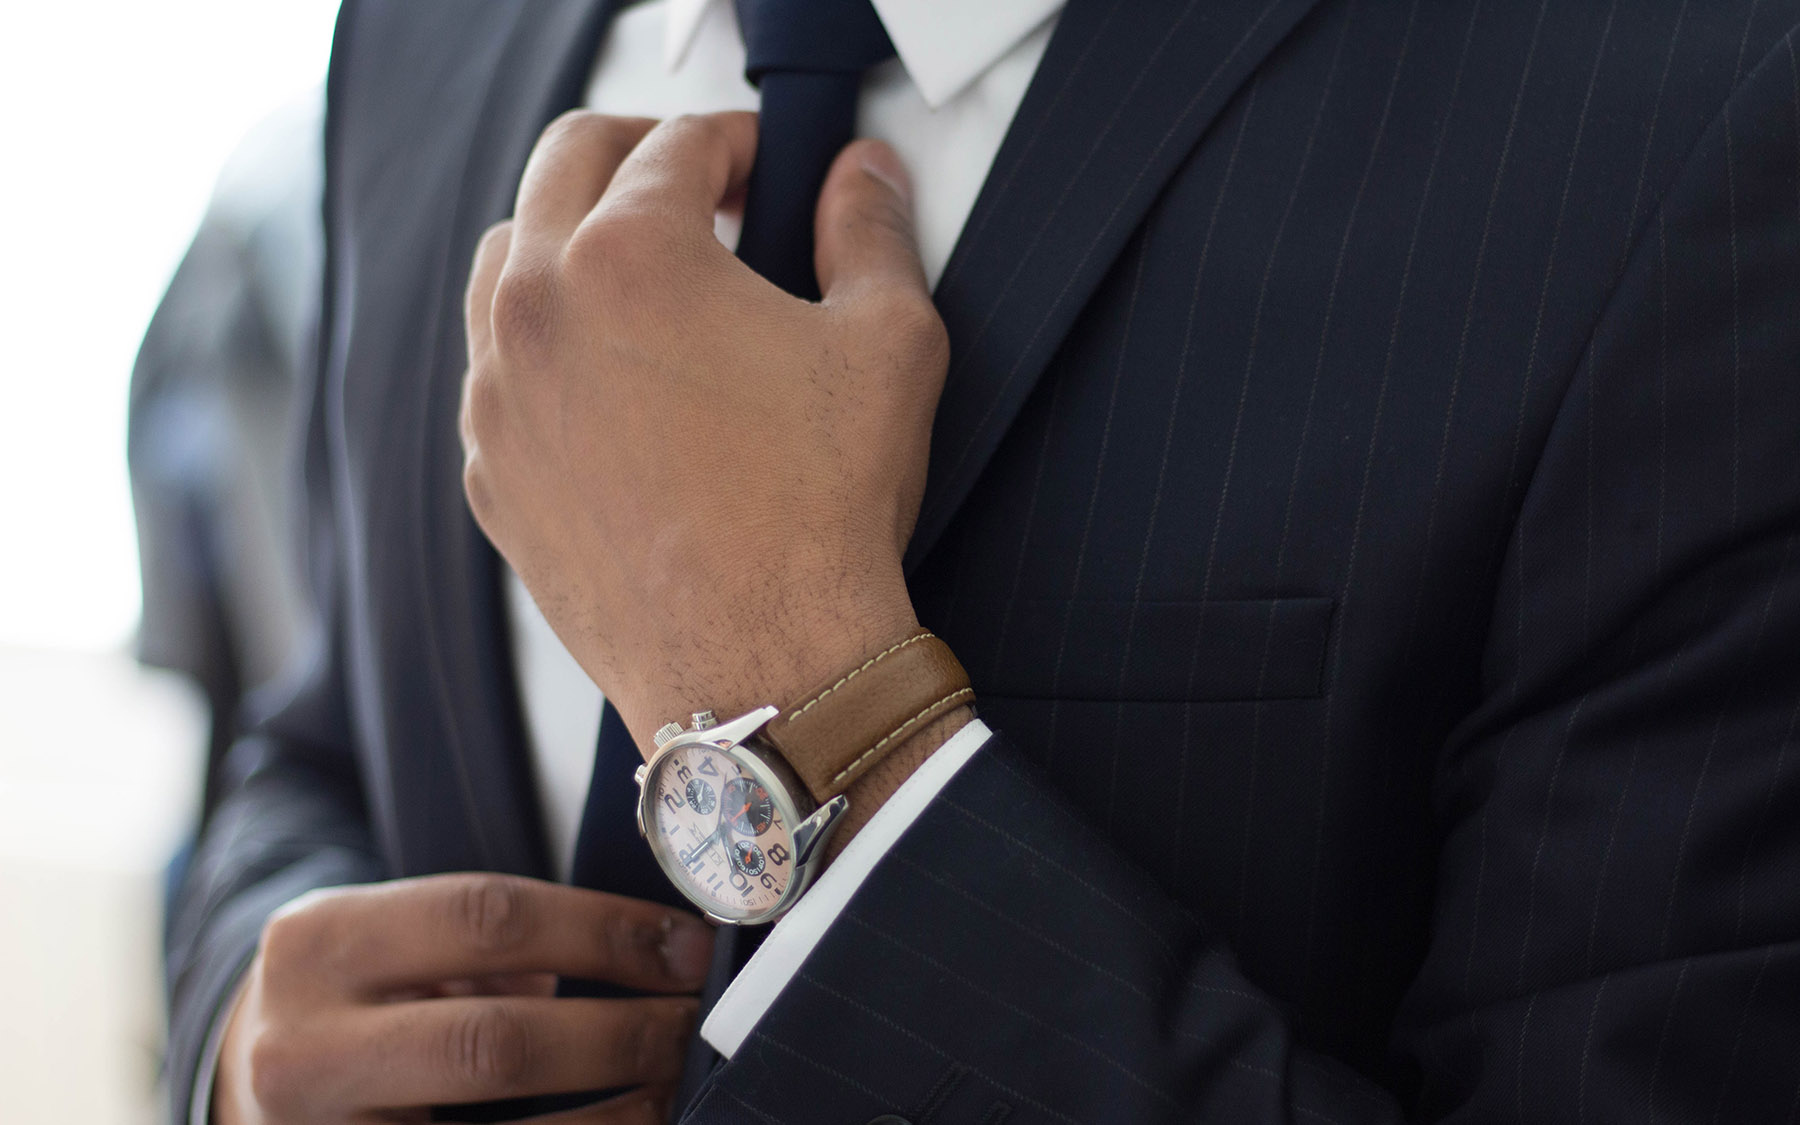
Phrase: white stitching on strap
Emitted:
{"points": [[857, 671], [870, 752]]}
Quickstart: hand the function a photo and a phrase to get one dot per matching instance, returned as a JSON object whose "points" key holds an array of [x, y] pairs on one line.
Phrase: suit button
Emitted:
{"points": [[890, 1119]]}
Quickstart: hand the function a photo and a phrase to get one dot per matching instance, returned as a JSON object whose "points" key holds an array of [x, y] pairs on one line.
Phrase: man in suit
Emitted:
{"points": [[1363, 494]]}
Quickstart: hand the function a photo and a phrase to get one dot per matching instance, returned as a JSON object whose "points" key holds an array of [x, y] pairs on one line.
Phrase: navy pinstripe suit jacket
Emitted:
{"points": [[1366, 496]]}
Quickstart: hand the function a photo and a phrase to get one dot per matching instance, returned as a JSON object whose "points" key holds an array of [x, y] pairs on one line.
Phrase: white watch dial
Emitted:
{"points": [[724, 837]]}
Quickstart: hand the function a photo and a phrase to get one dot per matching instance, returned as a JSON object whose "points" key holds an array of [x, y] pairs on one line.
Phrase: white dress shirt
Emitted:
{"points": [[944, 104]]}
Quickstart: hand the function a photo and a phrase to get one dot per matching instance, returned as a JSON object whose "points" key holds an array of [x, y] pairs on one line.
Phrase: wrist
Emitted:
{"points": [[786, 656], [804, 778]]}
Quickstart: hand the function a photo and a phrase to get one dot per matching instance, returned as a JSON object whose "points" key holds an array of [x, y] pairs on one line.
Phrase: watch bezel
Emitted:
{"points": [[792, 800]]}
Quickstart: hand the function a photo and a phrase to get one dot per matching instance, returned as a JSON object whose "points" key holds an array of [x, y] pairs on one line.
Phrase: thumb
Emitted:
{"points": [[863, 233]]}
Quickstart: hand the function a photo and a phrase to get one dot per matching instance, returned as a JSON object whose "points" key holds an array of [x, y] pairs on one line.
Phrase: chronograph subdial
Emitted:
{"points": [[747, 807], [701, 796], [747, 858]]}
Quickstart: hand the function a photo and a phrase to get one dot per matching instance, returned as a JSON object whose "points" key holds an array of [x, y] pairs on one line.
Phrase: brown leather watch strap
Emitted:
{"points": [[836, 733]]}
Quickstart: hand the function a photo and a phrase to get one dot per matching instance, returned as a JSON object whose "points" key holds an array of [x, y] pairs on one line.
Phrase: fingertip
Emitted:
{"points": [[879, 160], [864, 231], [740, 125]]}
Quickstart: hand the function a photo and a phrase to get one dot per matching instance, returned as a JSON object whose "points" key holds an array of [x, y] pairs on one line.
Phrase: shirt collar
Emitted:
{"points": [[945, 45]]}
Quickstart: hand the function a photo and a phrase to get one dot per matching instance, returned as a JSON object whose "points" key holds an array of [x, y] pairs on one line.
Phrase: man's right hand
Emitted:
{"points": [[374, 1003]]}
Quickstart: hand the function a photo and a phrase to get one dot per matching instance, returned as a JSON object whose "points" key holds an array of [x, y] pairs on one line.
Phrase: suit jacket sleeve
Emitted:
{"points": [[1634, 759], [291, 816]]}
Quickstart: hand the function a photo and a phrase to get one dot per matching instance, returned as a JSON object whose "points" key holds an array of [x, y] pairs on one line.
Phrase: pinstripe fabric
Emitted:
{"points": [[1531, 853], [1365, 498]]}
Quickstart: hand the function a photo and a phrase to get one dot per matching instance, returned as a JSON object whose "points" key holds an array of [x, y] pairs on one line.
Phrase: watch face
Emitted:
{"points": [[720, 830]]}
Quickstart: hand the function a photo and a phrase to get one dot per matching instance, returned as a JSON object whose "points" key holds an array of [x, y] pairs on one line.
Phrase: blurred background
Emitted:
{"points": [[119, 121]]}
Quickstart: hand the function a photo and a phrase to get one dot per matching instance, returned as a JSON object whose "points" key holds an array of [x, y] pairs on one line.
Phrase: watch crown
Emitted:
{"points": [[668, 731], [704, 720]]}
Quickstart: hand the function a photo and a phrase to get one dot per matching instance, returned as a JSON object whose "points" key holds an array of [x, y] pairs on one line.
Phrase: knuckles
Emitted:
{"points": [[492, 914], [635, 1044], [630, 945], [489, 1048], [525, 310], [297, 937], [923, 333], [544, 306], [616, 257], [599, 248], [480, 423], [478, 493], [483, 408], [275, 1078], [584, 128], [494, 241], [285, 1069], [909, 327]]}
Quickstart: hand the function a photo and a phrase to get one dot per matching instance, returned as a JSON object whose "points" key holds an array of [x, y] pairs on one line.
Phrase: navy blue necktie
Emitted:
{"points": [[807, 57]]}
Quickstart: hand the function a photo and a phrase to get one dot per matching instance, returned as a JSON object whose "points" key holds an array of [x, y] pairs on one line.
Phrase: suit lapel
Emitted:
{"points": [[540, 72], [1125, 90]]}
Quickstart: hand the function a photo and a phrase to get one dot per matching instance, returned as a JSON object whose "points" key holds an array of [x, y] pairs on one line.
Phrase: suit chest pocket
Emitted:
{"points": [[1150, 651]]}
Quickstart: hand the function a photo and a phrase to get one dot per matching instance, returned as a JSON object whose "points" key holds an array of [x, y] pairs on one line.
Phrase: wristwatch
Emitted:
{"points": [[738, 812]]}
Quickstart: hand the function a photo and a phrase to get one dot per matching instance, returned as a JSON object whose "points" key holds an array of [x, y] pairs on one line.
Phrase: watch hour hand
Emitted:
{"points": [[705, 843]]}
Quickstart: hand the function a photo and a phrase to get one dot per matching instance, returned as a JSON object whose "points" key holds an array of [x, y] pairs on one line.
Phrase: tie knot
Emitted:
{"points": [[818, 36]]}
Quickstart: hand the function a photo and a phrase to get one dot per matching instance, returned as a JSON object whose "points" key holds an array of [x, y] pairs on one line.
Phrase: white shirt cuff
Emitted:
{"points": [[736, 1014]]}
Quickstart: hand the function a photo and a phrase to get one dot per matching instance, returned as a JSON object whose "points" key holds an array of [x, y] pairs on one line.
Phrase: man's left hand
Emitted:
{"points": [[707, 484]]}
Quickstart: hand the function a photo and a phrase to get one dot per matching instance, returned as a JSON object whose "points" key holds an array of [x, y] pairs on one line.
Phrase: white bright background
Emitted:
{"points": [[115, 116]]}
